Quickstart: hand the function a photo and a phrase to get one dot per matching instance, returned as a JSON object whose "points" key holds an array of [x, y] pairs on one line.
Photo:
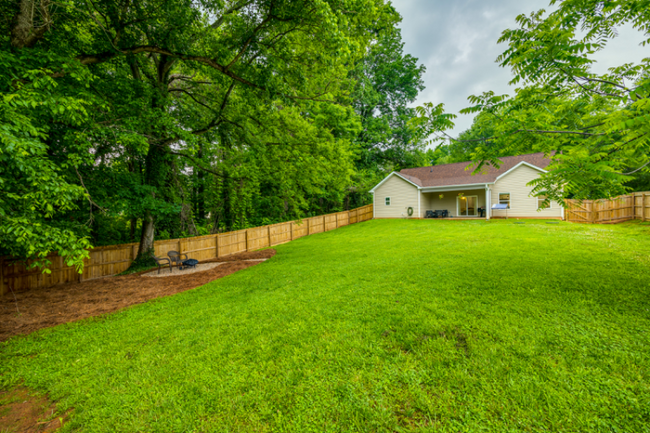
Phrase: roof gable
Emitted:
{"points": [[410, 179], [461, 173]]}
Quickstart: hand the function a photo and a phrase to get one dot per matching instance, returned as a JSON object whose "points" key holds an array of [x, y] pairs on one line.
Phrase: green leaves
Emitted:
{"points": [[594, 126], [431, 121], [34, 189]]}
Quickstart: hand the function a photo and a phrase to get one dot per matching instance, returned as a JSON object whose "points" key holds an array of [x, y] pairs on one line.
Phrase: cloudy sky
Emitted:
{"points": [[457, 42]]}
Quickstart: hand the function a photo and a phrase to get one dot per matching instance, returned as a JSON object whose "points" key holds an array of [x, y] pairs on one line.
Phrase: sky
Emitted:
{"points": [[457, 42]]}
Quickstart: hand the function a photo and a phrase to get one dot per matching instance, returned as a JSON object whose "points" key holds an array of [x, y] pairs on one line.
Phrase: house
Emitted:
{"points": [[452, 187]]}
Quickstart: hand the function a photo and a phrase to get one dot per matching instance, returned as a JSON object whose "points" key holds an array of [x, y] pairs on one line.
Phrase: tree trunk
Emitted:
{"points": [[133, 223], [24, 31], [201, 188], [157, 162], [147, 237], [155, 173]]}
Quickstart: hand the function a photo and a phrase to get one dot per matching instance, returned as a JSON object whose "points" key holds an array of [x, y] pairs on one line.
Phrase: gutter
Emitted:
{"points": [[454, 187]]}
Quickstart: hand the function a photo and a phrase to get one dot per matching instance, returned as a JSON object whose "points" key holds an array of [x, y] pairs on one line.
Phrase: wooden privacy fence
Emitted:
{"points": [[610, 211], [111, 260]]}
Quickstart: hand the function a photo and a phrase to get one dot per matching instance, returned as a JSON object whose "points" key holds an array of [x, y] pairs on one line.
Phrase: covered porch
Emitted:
{"points": [[458, 202]]}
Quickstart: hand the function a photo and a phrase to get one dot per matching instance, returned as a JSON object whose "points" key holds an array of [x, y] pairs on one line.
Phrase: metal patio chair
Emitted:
{"points": [[162, 261], [176, 259]]}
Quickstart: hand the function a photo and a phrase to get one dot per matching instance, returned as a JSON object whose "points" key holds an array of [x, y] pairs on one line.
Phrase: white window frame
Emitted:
{"points": [[389, 201], [550, 204], [509, 200]]}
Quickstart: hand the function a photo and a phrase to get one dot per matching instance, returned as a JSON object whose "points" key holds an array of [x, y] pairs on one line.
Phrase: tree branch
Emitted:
{"points": [[196, 163], [233, 9], [193, 98], [90, 59]]}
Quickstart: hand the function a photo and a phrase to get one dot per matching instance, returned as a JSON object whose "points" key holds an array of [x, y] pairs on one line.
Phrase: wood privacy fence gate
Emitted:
{"points": [[610, 211], [111, 260]]}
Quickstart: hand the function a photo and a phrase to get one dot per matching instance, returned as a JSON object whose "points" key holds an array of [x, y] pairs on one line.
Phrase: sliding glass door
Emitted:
{"points": [[467, 205]]}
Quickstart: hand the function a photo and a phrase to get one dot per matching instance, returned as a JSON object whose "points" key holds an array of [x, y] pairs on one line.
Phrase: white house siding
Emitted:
{"points": [[522, 204], [402, 196], [432, 200], [425, 200]]}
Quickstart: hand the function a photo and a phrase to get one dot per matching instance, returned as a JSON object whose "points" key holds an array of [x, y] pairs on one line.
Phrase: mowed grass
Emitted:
{"points": [[384, 326]]}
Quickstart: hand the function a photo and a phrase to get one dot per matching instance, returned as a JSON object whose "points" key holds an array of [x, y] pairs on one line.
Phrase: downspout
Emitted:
{"points": [[374, 205], [419, 195]]}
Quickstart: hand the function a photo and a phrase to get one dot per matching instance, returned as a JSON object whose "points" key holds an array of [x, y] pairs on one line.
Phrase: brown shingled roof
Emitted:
{"points": [[456, 174]]}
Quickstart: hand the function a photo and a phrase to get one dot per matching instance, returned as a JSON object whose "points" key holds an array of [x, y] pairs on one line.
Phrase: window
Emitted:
{"points": [[504, 198], [541, 204], [387, 201]]}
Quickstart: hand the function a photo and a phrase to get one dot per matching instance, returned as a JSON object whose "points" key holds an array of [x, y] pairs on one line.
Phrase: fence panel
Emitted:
{"points": [[330, 222], [281, 233], [609, 211], [300, 228], [233, 243], [114, 259], [316, 225], [258, 238], [642, 206], [200, 248]]}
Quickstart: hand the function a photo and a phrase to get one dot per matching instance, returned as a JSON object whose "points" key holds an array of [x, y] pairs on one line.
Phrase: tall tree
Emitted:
{"points": [[175, 83], [387, 81]]}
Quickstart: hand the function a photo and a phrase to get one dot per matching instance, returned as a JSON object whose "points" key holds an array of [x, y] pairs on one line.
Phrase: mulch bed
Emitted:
{"points": [[35, 309]]}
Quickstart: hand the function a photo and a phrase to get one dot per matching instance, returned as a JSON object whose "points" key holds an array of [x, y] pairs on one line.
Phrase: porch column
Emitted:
{"points": [[488, 203]]}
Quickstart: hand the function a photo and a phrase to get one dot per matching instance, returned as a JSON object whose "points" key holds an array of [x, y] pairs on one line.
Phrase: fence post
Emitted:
{"points": [[324, 226], [246, 232], [269, 230], [336, 217], [643, 207], [291, 225], [217, 243], [308, 228]]}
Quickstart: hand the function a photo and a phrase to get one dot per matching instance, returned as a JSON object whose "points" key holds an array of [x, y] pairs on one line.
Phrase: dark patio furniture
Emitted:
{"points": [[430, 214], [190, 263], [442, 213], [481, 212], [176, 259], [162, 261]]}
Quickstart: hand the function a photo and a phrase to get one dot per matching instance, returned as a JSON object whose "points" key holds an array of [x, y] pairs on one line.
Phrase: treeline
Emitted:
{"points": [[125, 121]]}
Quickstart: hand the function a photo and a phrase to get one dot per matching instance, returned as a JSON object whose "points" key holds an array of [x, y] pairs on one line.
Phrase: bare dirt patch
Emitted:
{"points": [[42, 308], [23, 412]]}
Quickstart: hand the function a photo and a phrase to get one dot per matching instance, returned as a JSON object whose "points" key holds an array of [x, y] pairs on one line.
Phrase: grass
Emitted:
{"points": [[384, 326]]}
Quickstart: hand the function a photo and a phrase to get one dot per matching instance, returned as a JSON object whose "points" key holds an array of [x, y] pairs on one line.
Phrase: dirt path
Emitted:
{"points": [[42, 308]]}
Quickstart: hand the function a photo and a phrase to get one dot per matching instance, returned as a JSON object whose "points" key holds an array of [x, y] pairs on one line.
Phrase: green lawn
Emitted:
{"points": [[383, 326]]}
